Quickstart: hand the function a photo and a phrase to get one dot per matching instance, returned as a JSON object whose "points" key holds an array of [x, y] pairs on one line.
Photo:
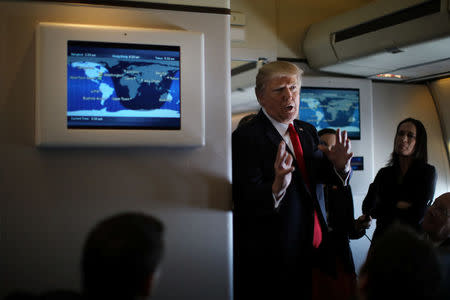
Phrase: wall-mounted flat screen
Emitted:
{"points": [[357, 163], [110, 86], [332, 108], [123, 86]]}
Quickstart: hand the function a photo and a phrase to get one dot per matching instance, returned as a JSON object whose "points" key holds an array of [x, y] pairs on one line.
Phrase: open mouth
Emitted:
{"points": [[289, 107]]}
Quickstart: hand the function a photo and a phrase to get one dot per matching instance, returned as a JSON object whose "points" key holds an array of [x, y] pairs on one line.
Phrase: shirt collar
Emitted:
{"points": [[280, 127]]}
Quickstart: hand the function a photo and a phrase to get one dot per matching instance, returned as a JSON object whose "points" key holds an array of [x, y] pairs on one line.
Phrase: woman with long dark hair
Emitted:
{"points": [[402, 190]]}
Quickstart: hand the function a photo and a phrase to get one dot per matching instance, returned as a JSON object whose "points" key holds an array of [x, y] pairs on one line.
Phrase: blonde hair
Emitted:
{"points": [[275, 69]]}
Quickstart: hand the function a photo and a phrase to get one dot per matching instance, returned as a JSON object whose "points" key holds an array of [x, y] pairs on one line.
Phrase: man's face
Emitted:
{"points": [[281, 97], [329, 139], [436, 221]]}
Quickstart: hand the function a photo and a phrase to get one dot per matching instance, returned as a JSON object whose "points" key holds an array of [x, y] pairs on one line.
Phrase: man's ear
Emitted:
{"points": [[258, 97]]}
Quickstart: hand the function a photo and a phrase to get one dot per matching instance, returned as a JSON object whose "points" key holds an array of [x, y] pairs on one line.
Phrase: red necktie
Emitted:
{"points": [[317, 237]]}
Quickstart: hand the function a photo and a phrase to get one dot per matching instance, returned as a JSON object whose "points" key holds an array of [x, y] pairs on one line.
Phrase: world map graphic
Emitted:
{"points": [[128, 84], [112, 85], [331, 108]]}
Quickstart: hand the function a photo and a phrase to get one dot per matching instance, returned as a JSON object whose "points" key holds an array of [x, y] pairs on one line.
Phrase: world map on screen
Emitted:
{"points": [[331, 108], [115, 85], [99, 86]]}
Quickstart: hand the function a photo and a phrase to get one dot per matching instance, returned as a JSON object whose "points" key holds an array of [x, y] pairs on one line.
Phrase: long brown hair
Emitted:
{"points": [[420, 153]]}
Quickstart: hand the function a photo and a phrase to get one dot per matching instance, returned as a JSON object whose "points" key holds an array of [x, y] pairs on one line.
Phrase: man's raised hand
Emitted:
{"points": [[340, 154], [283, 170]]}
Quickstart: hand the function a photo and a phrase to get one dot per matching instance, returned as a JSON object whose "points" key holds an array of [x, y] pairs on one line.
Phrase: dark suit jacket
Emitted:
{"points": [[268, 240], [417, 188], [341, 221]]}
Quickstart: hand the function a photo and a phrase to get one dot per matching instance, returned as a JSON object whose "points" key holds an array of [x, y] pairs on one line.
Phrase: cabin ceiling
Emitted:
{"points": [[406, 42]]}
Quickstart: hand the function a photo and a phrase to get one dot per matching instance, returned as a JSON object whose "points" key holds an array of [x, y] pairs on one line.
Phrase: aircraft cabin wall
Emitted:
{"points": [[51, 198]]}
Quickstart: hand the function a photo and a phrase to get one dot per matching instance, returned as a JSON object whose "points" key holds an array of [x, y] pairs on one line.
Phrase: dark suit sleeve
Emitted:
{"points": [[253, 174], [354, 235], [350, 220], [370, 202]]}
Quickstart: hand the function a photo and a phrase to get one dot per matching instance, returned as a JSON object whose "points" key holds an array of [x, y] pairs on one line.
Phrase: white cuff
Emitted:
{"points": [[276, 202], [343, 180]]}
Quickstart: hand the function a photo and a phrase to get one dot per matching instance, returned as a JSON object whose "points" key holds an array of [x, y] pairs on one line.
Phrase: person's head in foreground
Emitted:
{"points": [[400, 265], [121, 257], [436, 222]]}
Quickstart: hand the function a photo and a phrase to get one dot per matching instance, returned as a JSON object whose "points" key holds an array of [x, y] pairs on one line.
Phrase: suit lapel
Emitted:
{"points": [[306, 145], [275, 138], [270, 131], [301, 134]]}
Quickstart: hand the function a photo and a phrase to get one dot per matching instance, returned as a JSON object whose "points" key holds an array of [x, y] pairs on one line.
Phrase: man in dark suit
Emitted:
{"points": [[278, 207], [340, 272]]}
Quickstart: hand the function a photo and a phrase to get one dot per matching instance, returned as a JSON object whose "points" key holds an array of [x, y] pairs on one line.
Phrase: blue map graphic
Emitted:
{"points": [[120, 83], [331, 108]]}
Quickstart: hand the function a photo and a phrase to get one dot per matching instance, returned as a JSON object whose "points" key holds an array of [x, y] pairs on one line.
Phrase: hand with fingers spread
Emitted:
{"points": [[340, 154], [283, 171]]}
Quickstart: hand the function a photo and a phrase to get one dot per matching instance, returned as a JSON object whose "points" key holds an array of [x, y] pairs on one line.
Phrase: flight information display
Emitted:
{"points": [[331, 108], [123, 86]]}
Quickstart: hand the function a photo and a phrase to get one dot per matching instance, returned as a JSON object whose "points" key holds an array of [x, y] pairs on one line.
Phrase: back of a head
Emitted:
{"points": [[120, 254], [401, 265], [246, 119], [436, 222], [275, 69]]}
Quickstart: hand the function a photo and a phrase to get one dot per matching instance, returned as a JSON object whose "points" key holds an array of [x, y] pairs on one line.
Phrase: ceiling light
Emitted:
{"points": [[390, 76]]}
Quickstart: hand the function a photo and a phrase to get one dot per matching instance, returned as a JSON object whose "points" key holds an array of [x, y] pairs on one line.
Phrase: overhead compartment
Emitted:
{"points": [[383, 36]]}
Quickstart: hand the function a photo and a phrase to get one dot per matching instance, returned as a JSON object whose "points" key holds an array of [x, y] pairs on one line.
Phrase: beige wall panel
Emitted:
{"points": [[440, 89], [280, 25], [50, 198], [295, 16], [260, 29]]}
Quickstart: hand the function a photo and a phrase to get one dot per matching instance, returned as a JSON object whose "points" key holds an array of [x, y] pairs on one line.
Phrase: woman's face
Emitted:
{"points": [[405, 140]]}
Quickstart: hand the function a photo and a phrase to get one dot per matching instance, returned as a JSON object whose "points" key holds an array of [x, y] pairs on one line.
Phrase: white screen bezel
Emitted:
{"points": [[51, 87], [364, 146]]}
